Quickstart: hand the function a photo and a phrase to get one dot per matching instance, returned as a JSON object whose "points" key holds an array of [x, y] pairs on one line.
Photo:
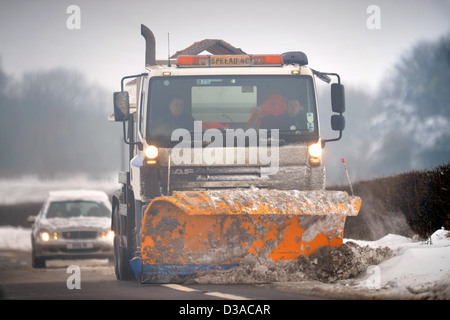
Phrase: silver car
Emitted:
{"points": [[72, 224]]}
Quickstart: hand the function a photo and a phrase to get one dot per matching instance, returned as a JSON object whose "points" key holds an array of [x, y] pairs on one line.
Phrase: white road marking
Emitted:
{"points": [[214, 294], [180, 288], [226, 296]]}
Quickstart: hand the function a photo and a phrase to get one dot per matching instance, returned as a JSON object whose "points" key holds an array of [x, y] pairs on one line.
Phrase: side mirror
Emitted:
{"points": [[337, 122], [337, 98], [121, 106]]}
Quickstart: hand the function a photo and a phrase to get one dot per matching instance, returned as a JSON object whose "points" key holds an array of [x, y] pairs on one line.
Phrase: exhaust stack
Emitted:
{"points": [[150, 46]]}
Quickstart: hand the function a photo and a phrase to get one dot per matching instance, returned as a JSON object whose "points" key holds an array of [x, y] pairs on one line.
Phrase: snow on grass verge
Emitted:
{"points": [[15, 238], [417, 265]]}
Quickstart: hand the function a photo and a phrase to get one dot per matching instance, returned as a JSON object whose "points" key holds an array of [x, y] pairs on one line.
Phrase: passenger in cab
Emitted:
{"points": [[293, 119]]}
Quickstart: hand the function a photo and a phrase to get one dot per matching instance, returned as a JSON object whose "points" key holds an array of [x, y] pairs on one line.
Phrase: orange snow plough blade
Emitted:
{"points": [[191, 231]]}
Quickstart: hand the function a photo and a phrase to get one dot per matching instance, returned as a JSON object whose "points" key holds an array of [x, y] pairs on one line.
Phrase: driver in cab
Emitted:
{"points": [[174, 119]]}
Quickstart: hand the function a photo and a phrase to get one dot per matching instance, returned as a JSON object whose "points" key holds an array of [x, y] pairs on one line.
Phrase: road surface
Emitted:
{"points": [[95, 279]]}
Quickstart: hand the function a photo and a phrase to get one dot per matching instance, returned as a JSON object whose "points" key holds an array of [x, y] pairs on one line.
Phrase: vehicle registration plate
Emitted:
{"points": [[80, 245]]}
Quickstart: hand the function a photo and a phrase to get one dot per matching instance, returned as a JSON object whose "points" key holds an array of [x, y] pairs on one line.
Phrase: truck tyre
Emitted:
{"points": [[37, 263], [122, 256]]}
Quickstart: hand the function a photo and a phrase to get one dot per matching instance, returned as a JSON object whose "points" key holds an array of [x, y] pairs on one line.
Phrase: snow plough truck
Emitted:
{"points": [[224, 160]]}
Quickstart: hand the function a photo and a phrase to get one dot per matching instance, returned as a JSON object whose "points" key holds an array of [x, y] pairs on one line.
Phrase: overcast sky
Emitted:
{"points": [[334, 34]]}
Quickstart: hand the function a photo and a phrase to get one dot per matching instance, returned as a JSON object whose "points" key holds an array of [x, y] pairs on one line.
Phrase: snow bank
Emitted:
{"points": [[15, 238], [417, 265], [416, 268]]}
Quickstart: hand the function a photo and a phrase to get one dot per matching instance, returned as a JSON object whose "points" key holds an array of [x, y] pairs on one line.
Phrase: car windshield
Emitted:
{"points": [[69, 209], [282, 102]]}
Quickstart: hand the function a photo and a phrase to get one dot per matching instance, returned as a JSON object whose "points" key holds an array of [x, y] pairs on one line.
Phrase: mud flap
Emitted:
{"points": [[196, 231]]}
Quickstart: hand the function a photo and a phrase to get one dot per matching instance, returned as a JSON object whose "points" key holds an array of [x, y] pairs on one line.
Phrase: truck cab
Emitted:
{"points": [[225, 122]]}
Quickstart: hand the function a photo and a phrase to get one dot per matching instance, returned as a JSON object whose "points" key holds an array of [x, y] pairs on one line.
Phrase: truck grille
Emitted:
{"points": [[215, 173], [211, 178], [79, 234]]}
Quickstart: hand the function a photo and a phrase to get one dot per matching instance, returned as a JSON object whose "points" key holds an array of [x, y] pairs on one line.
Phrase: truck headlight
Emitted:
{"points": [[315, 153], [151, 152], [315, 150]]}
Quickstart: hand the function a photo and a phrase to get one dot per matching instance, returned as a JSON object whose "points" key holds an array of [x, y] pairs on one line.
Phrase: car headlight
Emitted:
{"points": [[107, 235], [45, 236]]}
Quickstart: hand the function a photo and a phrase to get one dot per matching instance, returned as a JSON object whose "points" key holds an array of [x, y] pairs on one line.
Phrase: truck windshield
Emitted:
{"points": [[286, 103]]}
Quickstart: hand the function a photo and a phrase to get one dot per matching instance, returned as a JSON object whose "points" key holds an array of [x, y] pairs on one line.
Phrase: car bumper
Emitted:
{"points": [[63, 249]]}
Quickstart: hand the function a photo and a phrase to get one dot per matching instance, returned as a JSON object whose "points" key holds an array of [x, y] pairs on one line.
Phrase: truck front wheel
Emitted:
{"points": [[122, 255]]}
